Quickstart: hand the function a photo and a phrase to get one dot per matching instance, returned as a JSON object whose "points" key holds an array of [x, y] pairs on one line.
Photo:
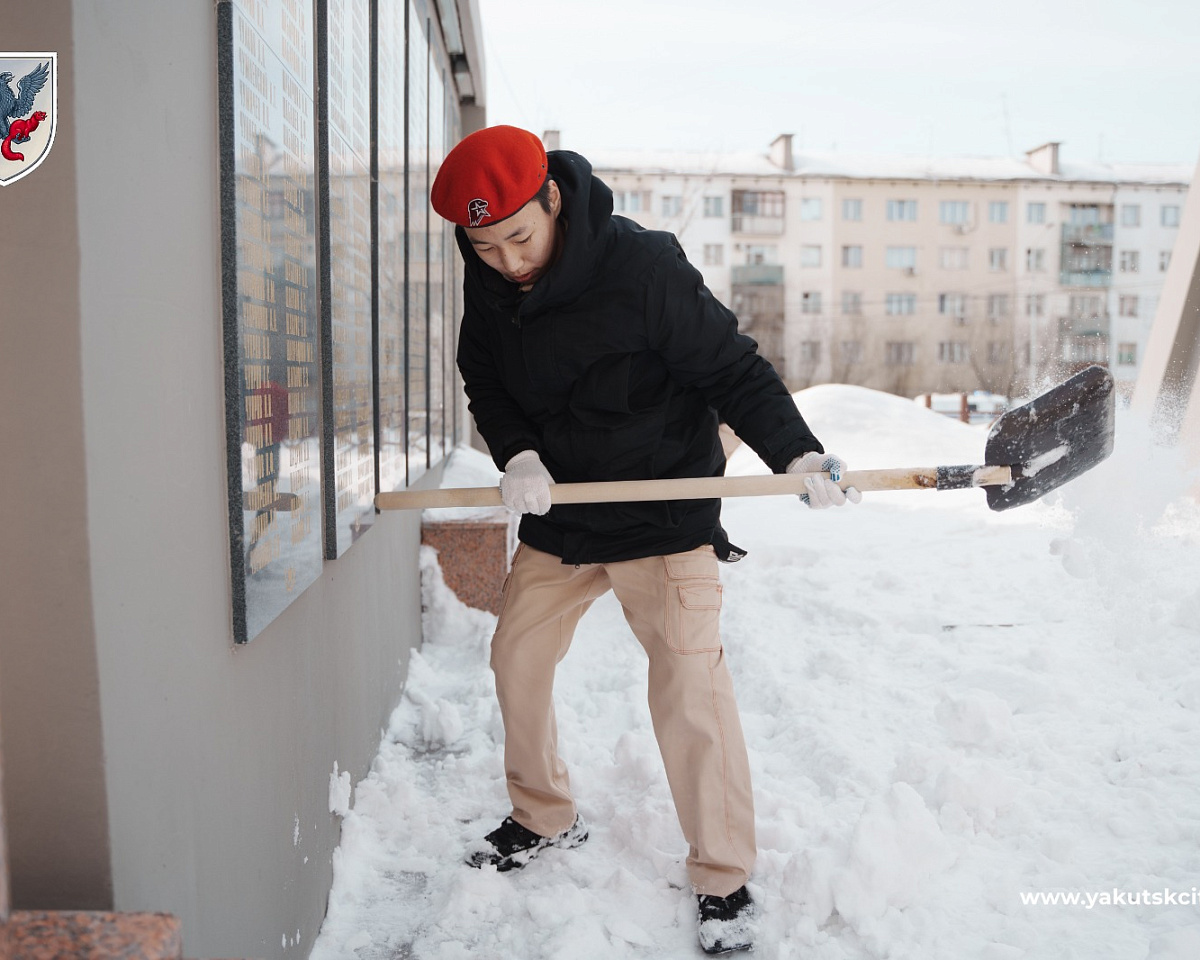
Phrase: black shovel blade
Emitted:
{"points": [[1053, 438]]}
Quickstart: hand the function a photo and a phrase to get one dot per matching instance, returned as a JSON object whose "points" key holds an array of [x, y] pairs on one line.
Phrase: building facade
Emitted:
{"points": [[917, 275], [243, 326]]}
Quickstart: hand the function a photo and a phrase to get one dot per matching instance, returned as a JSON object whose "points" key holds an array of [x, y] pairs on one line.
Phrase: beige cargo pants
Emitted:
{"points": [[673, 606]]}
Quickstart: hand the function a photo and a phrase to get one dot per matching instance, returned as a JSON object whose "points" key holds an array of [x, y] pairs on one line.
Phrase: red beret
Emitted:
{"points": [[489, 176]]}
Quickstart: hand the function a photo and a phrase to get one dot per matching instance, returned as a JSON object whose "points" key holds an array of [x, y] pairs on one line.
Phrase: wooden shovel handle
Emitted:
{"points": [[701, 488]]}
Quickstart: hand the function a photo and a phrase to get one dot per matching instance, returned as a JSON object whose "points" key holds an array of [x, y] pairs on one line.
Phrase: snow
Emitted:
{"points": [[817, 163], [947, 710], [1044, 460], [339, 793]]}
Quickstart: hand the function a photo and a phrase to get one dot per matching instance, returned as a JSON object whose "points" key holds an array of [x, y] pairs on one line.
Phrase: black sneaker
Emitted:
{"points": [[510, 846], [726, 923]]}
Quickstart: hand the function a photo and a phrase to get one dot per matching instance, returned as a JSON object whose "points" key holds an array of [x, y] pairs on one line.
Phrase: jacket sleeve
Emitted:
{"points": [[698, 339], [501, 422]]}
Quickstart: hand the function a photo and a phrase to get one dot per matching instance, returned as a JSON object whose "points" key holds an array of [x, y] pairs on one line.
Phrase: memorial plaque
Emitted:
{"points": [[390, 209], [438, 255], [347, 365], [269, 302], [417, 327]]}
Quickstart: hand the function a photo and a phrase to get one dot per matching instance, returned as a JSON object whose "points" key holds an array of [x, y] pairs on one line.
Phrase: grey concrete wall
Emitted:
{"points": [[49, 688], [217, 759], [1168, 384]]}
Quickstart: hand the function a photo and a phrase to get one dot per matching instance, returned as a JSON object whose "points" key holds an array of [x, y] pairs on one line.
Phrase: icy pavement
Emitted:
{"points": [[948, 712]]}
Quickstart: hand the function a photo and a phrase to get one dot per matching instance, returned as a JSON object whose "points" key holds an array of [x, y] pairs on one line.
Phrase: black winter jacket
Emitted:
{"points": [[617, 365]]}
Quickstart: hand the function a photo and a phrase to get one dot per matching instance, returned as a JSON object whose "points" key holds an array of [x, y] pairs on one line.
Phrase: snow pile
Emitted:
{"points": [[943, 721], [339, 794]]}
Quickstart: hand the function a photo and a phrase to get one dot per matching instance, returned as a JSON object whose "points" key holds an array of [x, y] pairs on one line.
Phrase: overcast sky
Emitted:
{"points": [[1111, 79]]}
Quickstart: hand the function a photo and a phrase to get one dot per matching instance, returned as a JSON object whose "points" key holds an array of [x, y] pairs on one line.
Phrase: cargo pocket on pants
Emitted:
{"points": [[694, 614], [504, 590]]}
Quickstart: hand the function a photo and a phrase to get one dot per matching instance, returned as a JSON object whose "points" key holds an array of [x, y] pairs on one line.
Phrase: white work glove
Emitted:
{"points": [[525, 486], [823, 492]]}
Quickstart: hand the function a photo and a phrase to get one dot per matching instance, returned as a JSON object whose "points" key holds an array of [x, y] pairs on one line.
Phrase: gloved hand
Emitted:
{"points": [[823, 493], [525, 486]]}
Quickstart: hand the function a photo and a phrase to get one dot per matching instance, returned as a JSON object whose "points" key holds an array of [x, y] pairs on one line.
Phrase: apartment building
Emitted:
{"points": [[919, 274]]}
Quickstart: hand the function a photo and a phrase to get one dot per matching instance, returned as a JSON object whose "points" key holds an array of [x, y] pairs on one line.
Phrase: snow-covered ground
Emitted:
{"points": [[948, 711]]}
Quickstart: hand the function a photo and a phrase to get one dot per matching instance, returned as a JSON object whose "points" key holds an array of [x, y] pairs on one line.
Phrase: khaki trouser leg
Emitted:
{"points": [[673, 606], [543, 601]]}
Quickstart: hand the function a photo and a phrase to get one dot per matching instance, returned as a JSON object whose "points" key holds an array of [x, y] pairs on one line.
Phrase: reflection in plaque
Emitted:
{"points": [[345, 135], [438, 254], [390, 209], [269, 293], [417, 328]]}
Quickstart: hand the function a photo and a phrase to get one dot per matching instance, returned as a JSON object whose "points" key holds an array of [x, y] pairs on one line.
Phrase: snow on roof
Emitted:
{"points": [[881, 167]]}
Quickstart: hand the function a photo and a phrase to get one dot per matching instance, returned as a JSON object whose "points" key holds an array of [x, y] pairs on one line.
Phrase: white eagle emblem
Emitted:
{"points": [[476, 211]]}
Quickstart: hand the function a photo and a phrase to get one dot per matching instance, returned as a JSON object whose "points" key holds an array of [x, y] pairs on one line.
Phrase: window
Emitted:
{"points": [[851, 351], [1085, 215], [1164, 260], [1035, 213], [851, 209], [954, 258], [903, 258], [851, 303], [758, 211], [952, 351], [902, 209], [1087, 258], [714, 254], [1170, 216], [758, 203], [1131, 215], [900, 304], [899, 353], [954, 211], [1091, 348], [810, 208], [714, 206], [1035, 260], [810, 301], [1131, 261], [952, 305], [1035, 305], [1085, 306], [998, 258], [852, 256], [1127, 354], [762, 253], [998, 352], [810, 351], [997, 305], [998, 211], [810, 255], [631, 201], [672, 206], [1127, 305]]}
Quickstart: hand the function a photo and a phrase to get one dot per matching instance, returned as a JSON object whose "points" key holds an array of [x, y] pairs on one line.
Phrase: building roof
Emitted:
{"points": [[829, 164]]}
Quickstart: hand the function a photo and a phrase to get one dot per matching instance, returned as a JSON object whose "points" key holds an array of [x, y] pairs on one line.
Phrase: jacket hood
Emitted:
{"points": [[587, 205]]}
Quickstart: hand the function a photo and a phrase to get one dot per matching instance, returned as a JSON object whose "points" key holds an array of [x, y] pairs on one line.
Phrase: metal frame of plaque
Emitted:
{"points": [[390, 210], [347, 341], [269, 304]]}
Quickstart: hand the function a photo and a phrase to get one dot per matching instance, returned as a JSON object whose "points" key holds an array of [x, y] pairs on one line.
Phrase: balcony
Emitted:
{"points": [[1085, 278], [757, 274], [1095, 325], [749, 223], [1091, 234]]}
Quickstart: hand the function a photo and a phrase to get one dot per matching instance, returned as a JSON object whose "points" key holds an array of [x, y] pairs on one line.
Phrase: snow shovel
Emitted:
{"points": [[1030, 450]]}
